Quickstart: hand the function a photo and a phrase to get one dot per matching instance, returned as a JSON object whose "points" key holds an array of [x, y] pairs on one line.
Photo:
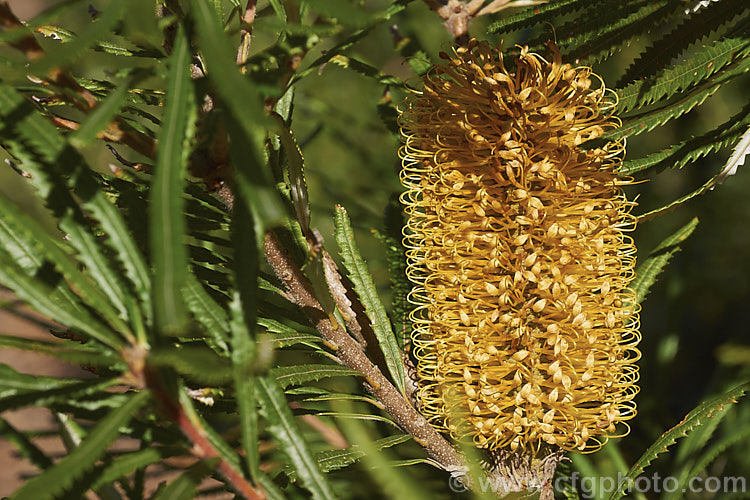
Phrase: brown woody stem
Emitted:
{"points": [[350, 354]]}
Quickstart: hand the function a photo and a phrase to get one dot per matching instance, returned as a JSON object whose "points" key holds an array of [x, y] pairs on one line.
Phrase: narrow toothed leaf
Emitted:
{"points": [[167, 219], [707, 410], [679, 155], [46, 300], [299, 374], [656, 261], [283, 426], [54, 167], [692, 71], [368, 295], [686, 34], [55, 480], [537, 14]]}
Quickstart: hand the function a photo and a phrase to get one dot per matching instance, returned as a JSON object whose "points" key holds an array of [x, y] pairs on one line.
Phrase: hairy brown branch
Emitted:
{"points": [[246, 34], [350, 354], [456, 16]]}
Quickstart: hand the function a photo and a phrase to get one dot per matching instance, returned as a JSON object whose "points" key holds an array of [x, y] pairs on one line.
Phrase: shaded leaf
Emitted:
{"points": [[300, 374], [42, 298], [98, 119], [682, 153], [207, 312], [687, 33], [167, 221], [125, 464], [692, 420], [537, 14], [55, 165], [78, 355], [186, 485], [197, 363], [282, 425], [243, 369], [53, 481], [691, 71], [365, 287], [16, 224], [26, 448], [647, 121], [656, 261], [66, 52]]}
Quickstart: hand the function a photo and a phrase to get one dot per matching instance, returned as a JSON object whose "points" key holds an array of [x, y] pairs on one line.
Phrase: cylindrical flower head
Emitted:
{"points": [[524, 326]]}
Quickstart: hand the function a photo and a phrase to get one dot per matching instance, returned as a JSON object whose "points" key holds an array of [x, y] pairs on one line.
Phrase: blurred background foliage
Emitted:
{"points": [[694, 322]]}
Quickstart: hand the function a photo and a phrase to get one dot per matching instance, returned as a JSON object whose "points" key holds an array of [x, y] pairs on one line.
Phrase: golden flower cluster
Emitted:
{"points": [[525, 328]]}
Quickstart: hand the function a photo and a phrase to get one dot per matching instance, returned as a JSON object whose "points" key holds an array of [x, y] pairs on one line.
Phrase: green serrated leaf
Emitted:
{"points": [[365, 288], [718, 448], [243, 369], [66, 52], [313, 394], [186, 485], [678, 155], [72, 435], [55, 480], [121, 50], [737, 158], [78, 355], [195, 362], [26, 448], [98, 119], [286, 339], [55, 165], [692, 420], [656, 261], [365, 69], [17, 224], [282, 425], [685, 35], [300, 374], [45, 300], [167, 221], [20, 390], [330, 460], [207, 312], [599, 40], [295, 167], [537, 14], [355, 416], [647, 121], [126, 464], [688, 450], [694, 70]]}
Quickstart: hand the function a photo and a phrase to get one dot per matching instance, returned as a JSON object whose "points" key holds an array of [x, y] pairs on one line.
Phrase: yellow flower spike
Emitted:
{"points": [[524, 326]]}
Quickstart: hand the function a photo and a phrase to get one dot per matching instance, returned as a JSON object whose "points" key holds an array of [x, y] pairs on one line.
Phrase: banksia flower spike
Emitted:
{"points": [[524, 326]]}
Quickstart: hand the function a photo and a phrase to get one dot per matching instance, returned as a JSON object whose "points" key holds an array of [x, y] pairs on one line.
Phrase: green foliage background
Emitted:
{"points": [[695, 338]]}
